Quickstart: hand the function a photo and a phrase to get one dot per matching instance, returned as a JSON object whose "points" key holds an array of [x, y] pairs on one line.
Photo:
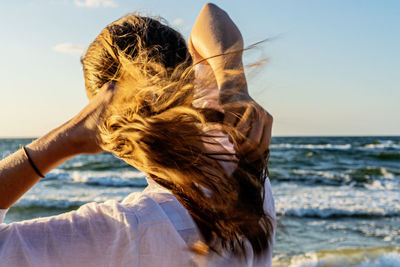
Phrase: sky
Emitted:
{"points": [[333, 66]]}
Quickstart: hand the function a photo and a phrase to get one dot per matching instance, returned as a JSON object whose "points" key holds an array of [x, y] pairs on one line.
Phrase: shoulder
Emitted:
{"points": [[110, 208], [107, 217], [157, 208], [96, 233], [148, 206]]}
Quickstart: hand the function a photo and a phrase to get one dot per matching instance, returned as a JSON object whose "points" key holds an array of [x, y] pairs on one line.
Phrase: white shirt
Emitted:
{"points": [[149, 228]]}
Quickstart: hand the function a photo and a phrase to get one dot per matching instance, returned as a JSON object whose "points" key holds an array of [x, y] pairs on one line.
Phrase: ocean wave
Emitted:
{"points": [[344, 201], [386, 156], [337, 213], [372, 175], [4, 154], [376, 145], [320, 177], [105, 178], [359, 257], [64, 201], [96, 166], [382, 144], [369, 177], [312, 146], [32, 203]]}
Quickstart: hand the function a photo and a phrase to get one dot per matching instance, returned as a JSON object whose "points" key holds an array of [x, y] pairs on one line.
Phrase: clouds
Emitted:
{"points": [[68, 48], [177, 21], [95, 3]]}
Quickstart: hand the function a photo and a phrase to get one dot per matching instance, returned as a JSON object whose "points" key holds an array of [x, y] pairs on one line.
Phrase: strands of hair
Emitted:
{"points": [[154, 127]]}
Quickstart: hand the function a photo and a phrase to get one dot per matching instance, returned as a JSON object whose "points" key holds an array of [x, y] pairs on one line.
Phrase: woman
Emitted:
{"points": [[202, 147]]}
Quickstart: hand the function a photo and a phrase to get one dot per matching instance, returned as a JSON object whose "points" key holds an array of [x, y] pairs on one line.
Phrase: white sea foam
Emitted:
{"points": [[5, 153], [330, 177], [68, 196], [53, 193], [104, 178], [312, 260], [312, 146], [384, 173], [374, 171], [386, 260], [376, 177], [63, 202], [50, 202], [383, 144], [307, 260], [383, 184], [327, 201]]}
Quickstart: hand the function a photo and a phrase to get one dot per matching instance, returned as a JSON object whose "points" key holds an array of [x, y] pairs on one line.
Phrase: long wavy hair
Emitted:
{"points": [[154, 127]]}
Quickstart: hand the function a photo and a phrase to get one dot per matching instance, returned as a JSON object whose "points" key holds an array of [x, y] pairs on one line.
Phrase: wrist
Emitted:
{"points": [[232, 88], [52, 149], [78, 138]]}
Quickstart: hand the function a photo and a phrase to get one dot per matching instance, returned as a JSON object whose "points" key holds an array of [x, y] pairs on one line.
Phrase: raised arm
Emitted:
{"points": [[215, 40], [76, 136]]}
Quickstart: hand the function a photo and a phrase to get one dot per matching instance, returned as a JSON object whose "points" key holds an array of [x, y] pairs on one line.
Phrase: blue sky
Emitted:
{"points": [[333, 65]]}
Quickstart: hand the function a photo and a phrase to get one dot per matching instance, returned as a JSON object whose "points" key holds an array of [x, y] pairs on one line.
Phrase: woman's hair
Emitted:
{"points": [[154, 127]]}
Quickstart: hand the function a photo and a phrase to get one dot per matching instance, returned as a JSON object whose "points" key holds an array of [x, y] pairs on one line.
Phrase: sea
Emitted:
{"points": [[337, 198]]}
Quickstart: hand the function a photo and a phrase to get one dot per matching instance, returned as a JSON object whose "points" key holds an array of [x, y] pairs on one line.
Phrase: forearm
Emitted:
{"points": [[77, 136], [233, 86], [16, 173]]}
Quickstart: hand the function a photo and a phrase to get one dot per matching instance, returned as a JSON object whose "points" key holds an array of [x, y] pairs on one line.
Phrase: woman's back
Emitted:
{"points": [[167, 227], [150, 228]]}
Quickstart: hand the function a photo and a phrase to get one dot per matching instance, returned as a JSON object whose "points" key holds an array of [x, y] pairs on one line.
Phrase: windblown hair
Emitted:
{"points": [[154, 127]]}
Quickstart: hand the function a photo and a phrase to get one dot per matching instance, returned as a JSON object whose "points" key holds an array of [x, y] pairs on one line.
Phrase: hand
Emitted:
{"points": [[82, 129], [214, 33], [254, 125], [76, 136]]}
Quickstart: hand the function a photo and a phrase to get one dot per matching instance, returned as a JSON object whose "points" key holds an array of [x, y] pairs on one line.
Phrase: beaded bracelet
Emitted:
{"points": [[31, 162]]}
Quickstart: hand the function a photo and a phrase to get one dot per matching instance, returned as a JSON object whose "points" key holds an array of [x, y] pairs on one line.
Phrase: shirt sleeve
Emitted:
{"points": [[93, 235], [269, 208], [269, 203], [2, 214]]}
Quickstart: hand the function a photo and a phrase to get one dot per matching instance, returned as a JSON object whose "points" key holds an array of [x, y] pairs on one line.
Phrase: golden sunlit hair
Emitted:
{"points": [[153, 126]]}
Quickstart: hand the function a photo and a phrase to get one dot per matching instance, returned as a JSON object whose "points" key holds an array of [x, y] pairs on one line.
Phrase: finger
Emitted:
{"points": [[246, 121], [258, 151], [262, 146], [256, 147], [246, 147], [234, 112], [232, 116], [267, 133], [256, 131], [106, 90]]}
